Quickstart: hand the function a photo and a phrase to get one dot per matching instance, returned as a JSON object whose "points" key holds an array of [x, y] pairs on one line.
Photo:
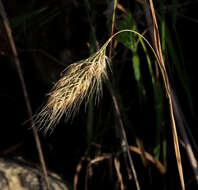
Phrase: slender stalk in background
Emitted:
{"points": [[158, 49], [113, 25], [27, 101], [115, 103], [124, 137], [90, 115]]}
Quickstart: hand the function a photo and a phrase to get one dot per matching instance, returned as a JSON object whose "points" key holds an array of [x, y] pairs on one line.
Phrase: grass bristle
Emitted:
{"points": [[79, 81]]}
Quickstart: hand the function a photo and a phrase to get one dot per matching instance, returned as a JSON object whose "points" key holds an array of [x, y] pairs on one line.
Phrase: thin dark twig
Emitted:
{"points": [[113, 25], [117, 110], [118, 115], [182, 126], [27, 101], [188, 18], [124, 137], [45, 53], [180, 5], [90, 19]]}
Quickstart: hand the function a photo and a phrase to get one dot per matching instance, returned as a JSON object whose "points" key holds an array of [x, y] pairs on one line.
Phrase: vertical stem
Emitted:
{"points": [[124, 137], [158, 49], [112, 26], [123, 133], [23, 85], [112, 94], [181, 124]]}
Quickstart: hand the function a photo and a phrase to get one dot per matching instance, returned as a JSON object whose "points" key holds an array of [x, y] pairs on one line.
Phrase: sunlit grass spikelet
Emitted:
{"points": [[79, 81]]}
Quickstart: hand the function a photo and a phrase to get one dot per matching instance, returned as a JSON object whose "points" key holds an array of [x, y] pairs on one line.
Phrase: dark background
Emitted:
{"points": [[62, 32]]}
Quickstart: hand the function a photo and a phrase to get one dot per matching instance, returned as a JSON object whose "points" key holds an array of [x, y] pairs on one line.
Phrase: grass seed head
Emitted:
{"points": [[78, 82]]}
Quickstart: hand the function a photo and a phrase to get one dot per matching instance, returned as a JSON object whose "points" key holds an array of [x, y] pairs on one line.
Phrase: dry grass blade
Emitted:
{"points": [[92, 162], [78, 169], [150, 158], [117, 167], [99, 159], [79, 81], [167, 85], [8, 30]]}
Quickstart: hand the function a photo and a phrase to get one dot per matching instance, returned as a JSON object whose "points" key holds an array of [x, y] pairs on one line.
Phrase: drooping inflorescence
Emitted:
{"points": [[78, 82]]}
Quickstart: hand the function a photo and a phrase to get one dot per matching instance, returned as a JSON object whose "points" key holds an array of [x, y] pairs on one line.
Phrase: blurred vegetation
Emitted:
{"points": [[88, 149]]}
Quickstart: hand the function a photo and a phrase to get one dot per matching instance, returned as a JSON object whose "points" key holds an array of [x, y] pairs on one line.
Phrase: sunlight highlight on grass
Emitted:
{"points": [[79, 81]]}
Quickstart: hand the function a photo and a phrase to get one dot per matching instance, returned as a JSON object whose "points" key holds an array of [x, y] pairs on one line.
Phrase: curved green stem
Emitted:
{"points": [[163, 70]]}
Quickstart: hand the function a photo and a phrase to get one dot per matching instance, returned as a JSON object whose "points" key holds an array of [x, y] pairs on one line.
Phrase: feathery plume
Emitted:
{"points": [[79, 81]]}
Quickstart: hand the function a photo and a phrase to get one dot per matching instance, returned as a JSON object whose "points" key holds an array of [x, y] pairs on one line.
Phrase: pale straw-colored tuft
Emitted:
{"points": [[79, 81]]}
